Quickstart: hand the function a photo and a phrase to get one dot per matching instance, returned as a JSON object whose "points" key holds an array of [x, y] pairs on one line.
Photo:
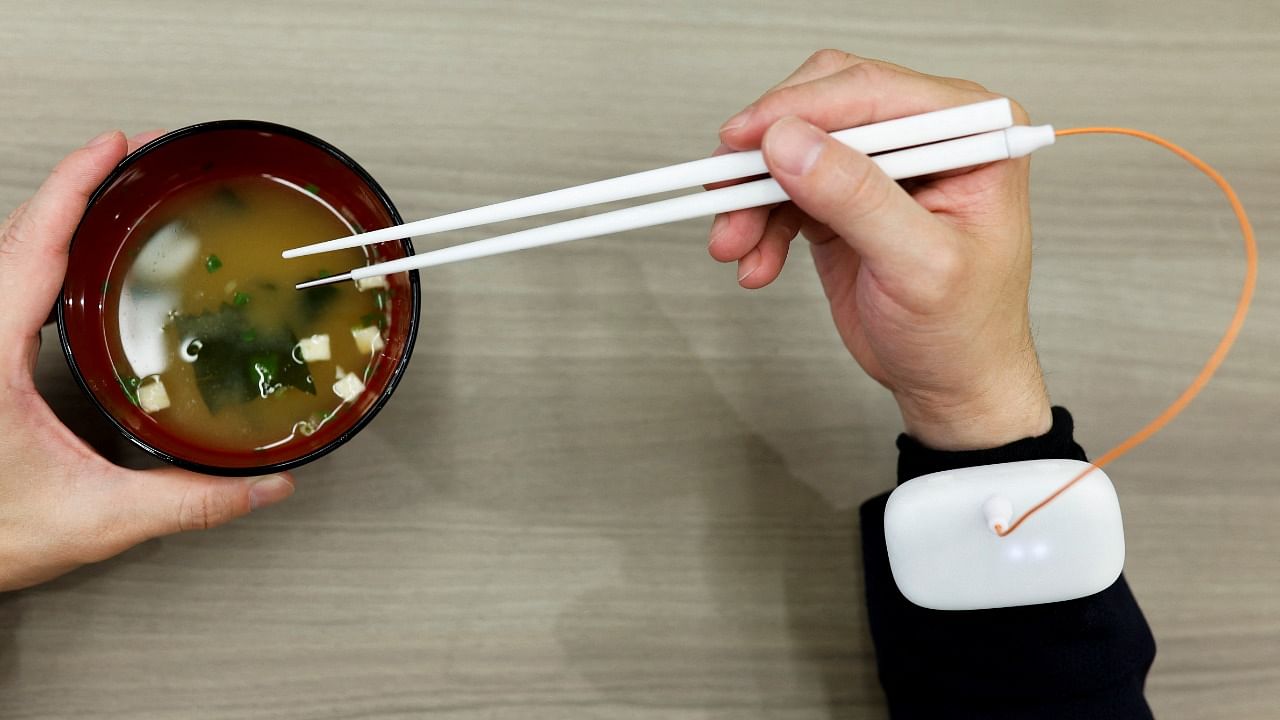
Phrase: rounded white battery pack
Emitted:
{"points": [[946, 555]]}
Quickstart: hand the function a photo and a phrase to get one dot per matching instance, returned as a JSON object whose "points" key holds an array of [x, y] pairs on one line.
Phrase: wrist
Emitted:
{"points": [[1001, 414]]}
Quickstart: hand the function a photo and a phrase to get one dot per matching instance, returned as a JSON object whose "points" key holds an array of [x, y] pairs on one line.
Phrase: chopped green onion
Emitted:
{"points": [[130, 386], [240, 298], [212, 263]]}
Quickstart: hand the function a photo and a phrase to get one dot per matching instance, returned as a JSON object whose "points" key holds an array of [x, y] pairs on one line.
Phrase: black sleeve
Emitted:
{"points": [[1085, 658]]}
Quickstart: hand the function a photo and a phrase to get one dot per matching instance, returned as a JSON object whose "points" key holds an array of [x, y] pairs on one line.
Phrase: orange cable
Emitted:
{"points": [[1224, 345]]}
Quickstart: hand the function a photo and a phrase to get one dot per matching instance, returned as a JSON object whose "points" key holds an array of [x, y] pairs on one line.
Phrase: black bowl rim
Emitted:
{"points": [[397, 373]]}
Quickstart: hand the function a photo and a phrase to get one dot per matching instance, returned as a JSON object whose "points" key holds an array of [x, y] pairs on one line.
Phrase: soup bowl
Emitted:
{"points": [[210, 153]]}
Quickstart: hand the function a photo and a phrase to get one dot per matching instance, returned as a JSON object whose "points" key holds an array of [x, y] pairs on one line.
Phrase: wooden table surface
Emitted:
{"points": [[613, 484]]}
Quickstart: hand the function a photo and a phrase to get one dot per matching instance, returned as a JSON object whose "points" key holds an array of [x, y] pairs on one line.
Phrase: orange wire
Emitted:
{"points": [[1224, 345]]}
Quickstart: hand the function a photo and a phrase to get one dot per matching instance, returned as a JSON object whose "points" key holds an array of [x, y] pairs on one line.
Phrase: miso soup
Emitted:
{"points": [[207, 333]]}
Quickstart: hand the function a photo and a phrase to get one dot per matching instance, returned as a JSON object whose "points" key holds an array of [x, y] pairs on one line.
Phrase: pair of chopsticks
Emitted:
{"points": [[934, 142]]}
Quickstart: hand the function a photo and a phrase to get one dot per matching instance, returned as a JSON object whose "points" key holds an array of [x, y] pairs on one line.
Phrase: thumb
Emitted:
{"points": [[169, 500], [844, 190], [33, 245]]}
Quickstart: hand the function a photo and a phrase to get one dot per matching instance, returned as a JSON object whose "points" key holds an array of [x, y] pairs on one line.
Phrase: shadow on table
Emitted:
{"points": [[784, 575], [761, 614]]}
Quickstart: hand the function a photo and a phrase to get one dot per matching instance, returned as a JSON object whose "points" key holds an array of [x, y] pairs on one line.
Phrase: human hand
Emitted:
{"points": [[62, 505], [927, 279]]}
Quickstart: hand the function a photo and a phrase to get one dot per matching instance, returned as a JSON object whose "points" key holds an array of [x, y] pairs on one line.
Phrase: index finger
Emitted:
{"points": [[863, 93]]}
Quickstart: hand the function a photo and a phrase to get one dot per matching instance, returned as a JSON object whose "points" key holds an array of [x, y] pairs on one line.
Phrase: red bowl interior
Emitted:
{"points": [[209, 153]]}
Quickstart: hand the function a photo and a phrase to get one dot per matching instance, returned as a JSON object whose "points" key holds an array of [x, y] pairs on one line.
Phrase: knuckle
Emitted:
{"points": [[829, 59], [203, 509], [12, 231], [870, 74], [16, 212], [785, 230], [864, 194], [786, 222]]}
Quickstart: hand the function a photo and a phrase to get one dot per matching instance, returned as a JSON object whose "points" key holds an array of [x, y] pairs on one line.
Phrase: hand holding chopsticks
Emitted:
{"points": [[924, 144]]}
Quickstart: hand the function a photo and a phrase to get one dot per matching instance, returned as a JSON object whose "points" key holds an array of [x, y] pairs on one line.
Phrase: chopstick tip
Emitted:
{"points": [[330, 280]]}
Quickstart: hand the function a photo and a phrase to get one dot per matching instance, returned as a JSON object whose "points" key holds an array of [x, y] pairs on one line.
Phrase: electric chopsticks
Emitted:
{"points": [[934, 142]]}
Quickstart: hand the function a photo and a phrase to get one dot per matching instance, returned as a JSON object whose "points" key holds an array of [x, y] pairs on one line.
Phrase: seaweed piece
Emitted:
{"points": [[313, 301], [293, 371], [236, 363], [130, 386], [220, 376], [374, 318]]}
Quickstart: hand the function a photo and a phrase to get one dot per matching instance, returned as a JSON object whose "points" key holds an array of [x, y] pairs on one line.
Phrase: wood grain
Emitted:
{"points": [[613, 484]]}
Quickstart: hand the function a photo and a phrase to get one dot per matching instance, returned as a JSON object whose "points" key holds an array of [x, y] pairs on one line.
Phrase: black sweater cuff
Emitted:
{"points": [[914, 459], [1080, 658]]}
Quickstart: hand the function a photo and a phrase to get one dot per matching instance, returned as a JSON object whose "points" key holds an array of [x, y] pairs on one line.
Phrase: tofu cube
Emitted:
{"points": [[152, 397], [348, 387], [368, 339], [314, 348], [377, 281]]}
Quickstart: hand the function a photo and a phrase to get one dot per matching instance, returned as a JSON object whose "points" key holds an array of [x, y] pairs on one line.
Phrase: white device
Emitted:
{"points": [[946, 554]]}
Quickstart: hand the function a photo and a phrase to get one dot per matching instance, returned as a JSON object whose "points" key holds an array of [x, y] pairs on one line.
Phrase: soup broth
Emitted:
{"points": [[211, 339]]}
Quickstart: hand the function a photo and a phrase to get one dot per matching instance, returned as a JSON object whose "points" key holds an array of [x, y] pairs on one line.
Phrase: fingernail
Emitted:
{"points": [[269, 491], [794, 145], [101, 138], [748, 265], [737, 121]]}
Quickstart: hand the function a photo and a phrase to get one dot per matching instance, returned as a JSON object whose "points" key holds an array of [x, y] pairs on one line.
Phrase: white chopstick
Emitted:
{"points": [[869, 139], [924, 160]]}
